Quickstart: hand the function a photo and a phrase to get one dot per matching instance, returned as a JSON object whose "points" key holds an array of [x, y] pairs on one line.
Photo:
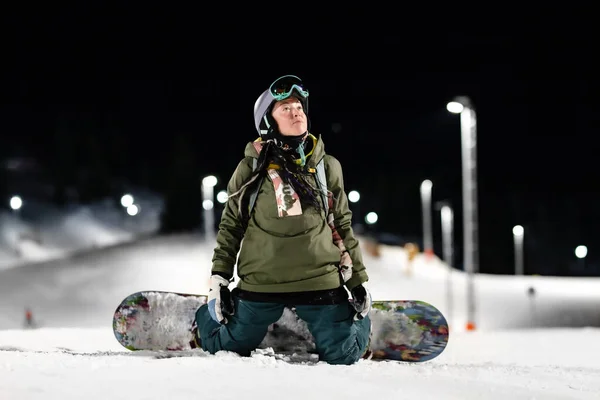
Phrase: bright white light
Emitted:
{"points": [[208, 204], [126, 200], [16, 202], [354, 196], [132, 210], [455, 107], [371, 218], [581, 251], [222, 196], [518, 230], [446, 214], [426, 186], [209, 181]]}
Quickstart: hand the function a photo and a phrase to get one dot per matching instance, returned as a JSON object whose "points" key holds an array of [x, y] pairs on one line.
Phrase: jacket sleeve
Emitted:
{"points": [[343, 221], [231, 230]]}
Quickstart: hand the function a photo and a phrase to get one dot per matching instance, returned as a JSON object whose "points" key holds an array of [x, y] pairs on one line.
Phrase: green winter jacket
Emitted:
{"points": [[292, 253]]}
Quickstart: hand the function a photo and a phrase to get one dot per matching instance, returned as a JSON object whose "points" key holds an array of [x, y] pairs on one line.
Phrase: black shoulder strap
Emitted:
{"points": [[321, 181], [254, 194]]}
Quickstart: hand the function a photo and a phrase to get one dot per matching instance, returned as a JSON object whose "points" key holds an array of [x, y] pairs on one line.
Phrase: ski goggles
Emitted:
{"points": [[283, 87]]}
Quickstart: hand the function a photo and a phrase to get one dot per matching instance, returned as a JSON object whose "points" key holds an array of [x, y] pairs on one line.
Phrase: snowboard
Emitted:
{"points": [[160, 321]]}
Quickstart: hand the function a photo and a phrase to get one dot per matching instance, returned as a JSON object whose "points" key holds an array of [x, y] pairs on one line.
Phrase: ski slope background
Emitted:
{"points": [[71, 268]]}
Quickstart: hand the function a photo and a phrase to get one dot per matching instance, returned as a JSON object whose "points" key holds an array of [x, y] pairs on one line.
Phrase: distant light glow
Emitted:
{"points": [[208, 204], [209, 181], [222, 196], [16, 202], [126, 200], [353, 196], [581, 251], [518, 230], [133, 210], [455, 107], [371, 218]]}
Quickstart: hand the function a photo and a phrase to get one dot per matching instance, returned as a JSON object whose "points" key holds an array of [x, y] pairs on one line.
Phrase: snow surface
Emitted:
{"points": [[540, 346]]}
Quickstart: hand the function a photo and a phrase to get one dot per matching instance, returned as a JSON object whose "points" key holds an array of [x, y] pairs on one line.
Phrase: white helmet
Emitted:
{"points": [[281, 89]]}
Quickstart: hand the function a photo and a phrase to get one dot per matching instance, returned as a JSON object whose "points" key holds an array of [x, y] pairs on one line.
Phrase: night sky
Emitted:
{"points": [[141, 98]]}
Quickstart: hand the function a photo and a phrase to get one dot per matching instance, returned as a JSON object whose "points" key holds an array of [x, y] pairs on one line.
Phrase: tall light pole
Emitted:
{"points": [[468, 128], [518, 234], [426, 187], [208, 187], [447, 217]]}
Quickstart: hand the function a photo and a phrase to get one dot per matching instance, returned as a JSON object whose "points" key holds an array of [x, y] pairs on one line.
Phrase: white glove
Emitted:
{"points": [[362, 301], [220, 303]]}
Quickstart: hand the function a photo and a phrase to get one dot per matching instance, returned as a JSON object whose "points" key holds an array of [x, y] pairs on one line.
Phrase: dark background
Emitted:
{"points": [[101, 99]]}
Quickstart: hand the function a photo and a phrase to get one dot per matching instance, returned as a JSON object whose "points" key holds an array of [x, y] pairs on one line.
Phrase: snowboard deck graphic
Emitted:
{"points": [[160, 321]]}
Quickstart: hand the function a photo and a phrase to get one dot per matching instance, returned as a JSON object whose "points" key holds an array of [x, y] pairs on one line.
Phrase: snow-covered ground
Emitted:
{"points": [[540, 346], [87, 363]]}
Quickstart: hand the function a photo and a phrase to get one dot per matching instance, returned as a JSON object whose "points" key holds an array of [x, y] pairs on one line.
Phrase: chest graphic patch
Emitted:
{"points": [[288, 202]]}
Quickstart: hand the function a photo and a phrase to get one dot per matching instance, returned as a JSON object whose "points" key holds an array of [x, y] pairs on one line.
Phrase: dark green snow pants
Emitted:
{"points": [[338, 338]]}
